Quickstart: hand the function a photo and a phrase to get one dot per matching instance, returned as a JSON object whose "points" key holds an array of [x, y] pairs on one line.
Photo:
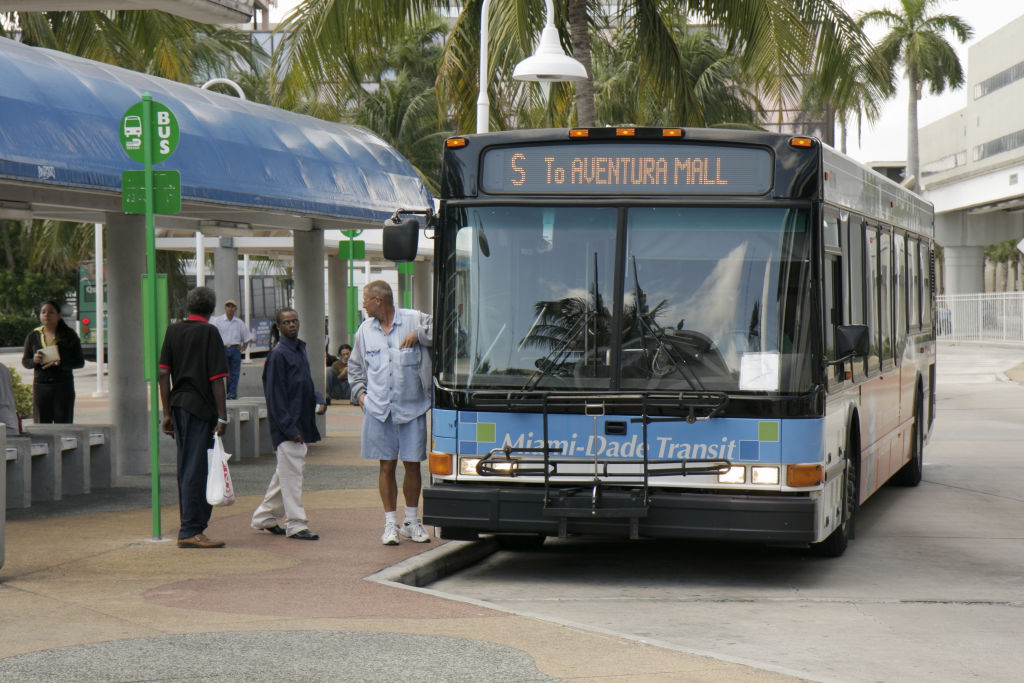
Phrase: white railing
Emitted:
{"points": [[994, 317]]}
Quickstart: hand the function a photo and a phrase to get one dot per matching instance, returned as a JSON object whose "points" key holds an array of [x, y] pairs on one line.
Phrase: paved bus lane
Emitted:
{"points": [[931, 589]]}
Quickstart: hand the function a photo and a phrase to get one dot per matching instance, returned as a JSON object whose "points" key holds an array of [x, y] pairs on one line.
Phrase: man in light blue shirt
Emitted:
{"points": [[389, 373], [236, 336]]}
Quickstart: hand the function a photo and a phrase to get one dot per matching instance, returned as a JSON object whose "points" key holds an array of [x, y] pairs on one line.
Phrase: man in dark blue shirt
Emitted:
{"points": [[291, 403]]}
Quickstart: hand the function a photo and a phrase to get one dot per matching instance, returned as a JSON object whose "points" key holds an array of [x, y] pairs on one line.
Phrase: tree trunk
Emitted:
{"points": [[913, 153], [579, 31]]}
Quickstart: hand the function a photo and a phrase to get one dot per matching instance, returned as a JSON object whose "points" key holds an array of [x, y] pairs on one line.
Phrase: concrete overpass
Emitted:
{"points": [[972, 162]]}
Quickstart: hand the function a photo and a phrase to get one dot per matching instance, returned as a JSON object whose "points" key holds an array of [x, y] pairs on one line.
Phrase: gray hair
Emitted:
{"points": [[382, 289], [201, 301]]}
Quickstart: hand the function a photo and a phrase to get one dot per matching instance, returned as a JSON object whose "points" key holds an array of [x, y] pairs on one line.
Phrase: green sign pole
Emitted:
{"points": [[149, 134], [149, 314], [356, 249]]}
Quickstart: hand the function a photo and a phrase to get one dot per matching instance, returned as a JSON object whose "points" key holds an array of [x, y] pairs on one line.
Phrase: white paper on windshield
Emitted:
{"points": [[759, 372]]}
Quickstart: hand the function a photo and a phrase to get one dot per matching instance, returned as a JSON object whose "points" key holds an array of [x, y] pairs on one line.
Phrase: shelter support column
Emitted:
{"points": [[308, 275], [225, 273], [337, 314], [422, 290], [965, 269], [129, 397]]}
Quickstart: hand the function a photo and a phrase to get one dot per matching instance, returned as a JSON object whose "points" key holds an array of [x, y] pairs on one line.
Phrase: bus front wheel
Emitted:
{"points": [[835, 544]]}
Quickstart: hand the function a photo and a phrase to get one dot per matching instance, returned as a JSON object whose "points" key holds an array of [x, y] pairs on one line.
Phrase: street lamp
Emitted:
{"points": [[547, 65]]}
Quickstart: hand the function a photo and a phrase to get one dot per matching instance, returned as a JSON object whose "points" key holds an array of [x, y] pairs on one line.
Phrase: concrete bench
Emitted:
{"points": [[23, 473], [3, 495], [247, 418], [92, 466]]}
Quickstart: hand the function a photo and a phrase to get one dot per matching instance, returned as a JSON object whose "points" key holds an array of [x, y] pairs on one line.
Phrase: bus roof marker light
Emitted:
{"points": [[625, 132], [671, 132], [579, 133], [806, 143], [455, 142]]}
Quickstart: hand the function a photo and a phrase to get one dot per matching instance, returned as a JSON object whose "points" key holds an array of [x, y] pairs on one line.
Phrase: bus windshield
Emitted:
{"points": [[707, 298]]}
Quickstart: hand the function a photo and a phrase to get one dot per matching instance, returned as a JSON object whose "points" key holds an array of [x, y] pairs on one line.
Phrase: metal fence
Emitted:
{"points": [[995, 317]]}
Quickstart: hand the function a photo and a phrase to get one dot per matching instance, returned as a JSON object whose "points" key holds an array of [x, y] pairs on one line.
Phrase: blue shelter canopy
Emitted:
{"points": [[61, 156]]}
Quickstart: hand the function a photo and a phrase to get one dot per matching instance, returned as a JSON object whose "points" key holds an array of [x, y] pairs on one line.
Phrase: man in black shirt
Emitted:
{"points": [[192, 391]]}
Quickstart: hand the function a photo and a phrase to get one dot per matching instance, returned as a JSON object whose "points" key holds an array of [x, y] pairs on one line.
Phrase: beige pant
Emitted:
{"points": [[283, 502]]}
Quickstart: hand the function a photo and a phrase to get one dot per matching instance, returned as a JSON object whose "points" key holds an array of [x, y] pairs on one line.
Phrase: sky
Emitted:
{"points": [[886, 140]]}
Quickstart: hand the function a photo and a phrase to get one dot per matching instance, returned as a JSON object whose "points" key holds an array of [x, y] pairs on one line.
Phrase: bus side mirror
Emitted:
{"points": [[852, 340], [401, 239]]}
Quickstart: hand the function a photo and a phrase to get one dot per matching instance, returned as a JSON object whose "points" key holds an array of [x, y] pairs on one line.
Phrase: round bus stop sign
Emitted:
{"points": [[162, 128]]}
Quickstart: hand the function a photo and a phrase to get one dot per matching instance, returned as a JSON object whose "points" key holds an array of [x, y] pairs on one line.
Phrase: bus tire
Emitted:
{"points": [[520, 542], [458, 534], [910, 474], [835, 544]]}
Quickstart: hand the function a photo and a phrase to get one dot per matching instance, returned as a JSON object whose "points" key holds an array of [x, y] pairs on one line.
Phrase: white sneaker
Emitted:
{"points": [[414, 531], [390, 535]]}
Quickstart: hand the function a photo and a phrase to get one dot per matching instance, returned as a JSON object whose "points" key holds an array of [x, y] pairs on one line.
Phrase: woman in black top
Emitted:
{"points": [[53, 388]]}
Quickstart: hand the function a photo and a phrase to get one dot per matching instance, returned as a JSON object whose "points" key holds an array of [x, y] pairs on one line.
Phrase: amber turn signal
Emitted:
{"points": [[804, 475], [440, 463]]}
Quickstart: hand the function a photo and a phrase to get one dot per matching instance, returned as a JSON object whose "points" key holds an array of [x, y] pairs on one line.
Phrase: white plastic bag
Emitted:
{"points": [[218, 479]]}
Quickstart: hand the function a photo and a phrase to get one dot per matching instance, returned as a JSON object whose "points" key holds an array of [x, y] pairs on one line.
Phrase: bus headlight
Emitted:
{"points": [[737, 474], [468, 465], [764, 475]]}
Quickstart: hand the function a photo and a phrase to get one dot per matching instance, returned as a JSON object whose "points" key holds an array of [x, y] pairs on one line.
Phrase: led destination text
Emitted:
{"points": [[631, 170], [643, 168]]}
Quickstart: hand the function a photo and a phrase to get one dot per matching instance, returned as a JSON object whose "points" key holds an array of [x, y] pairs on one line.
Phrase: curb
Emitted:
{"points": [[423, 569]]}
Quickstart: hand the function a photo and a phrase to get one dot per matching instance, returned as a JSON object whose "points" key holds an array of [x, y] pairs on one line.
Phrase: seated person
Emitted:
{"points": [[337, 377]]}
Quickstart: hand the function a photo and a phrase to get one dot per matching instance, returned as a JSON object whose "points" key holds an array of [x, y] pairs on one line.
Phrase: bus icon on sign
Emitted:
{"points": [[133, 127]]}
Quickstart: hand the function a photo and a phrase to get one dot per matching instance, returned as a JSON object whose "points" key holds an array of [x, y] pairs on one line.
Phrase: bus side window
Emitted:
{"points": [[833, 293], [913, 284], [885, 292], [899, 260], [871, 290]]}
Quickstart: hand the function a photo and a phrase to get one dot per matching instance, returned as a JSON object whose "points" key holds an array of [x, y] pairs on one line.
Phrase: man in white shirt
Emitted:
{"points": [[236, 336]]}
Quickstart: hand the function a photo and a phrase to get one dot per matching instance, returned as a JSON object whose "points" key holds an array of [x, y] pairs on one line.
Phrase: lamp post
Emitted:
{"points": [[547, 65]]}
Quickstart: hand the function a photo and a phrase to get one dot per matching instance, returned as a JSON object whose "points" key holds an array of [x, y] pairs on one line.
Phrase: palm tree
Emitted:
{"points": [[715, 95], [152, 42], [775, 42], [406, 116], [916, 39], [846, 85]]}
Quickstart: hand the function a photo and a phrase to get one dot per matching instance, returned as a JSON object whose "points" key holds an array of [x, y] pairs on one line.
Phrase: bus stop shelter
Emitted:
{"points": [[246, 169]]}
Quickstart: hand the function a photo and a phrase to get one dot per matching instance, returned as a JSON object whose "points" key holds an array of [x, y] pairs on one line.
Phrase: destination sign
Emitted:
{"points": [[630, 168]]}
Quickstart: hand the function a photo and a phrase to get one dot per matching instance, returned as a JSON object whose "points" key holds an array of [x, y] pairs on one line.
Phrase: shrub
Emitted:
{"points": [[14, 329], [22, 395]]}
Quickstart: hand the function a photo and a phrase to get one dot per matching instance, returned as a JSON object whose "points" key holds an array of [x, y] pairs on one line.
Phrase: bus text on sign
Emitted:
{"points": [[163, 136]]}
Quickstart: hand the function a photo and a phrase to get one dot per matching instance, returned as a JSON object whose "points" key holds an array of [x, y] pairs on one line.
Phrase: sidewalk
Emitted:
{"points": [[86, 594]]}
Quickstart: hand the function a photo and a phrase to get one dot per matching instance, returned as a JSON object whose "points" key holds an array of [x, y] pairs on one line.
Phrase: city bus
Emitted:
{"points": [[674, 333]]}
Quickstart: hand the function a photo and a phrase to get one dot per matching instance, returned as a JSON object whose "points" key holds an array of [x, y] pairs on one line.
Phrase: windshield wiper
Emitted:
{"points": [[649, 324]]}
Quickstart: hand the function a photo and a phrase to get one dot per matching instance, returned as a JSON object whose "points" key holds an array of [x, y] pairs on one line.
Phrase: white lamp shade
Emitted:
{"points": [[549, 63]]}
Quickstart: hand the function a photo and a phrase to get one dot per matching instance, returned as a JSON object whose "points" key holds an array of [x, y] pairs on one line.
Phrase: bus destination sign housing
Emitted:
{"points": [[627, 168]]}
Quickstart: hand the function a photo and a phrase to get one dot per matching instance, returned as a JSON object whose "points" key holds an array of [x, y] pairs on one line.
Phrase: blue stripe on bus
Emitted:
{"points": [[734, 439]]}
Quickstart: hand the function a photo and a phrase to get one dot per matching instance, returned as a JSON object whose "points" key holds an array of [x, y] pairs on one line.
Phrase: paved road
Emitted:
{"points": [[931, 589]]}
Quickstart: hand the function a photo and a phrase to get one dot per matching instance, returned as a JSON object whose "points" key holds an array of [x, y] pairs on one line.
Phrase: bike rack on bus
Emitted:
{"points": [[567, 503]]}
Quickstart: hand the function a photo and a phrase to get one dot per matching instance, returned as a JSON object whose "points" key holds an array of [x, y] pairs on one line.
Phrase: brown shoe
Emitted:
{"points": [[199, 541]]}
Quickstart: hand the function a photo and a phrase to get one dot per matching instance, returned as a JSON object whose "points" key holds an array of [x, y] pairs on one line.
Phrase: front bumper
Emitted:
{"points": [[476, 508]]}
